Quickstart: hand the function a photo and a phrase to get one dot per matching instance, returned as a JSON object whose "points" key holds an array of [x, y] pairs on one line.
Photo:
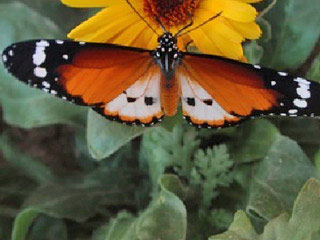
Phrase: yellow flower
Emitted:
{"points": [[118, 23]]}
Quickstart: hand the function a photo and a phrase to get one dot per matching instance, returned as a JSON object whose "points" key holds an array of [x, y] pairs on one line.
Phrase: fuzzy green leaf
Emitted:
{"points": [[173, 184], [105, 137], [253, 140], [165, 218], [120, 228], [278, 178], [304, 131], [253, 52], [314, 72], [291, 41], [304, 223], [23, 222], [240, 229]]}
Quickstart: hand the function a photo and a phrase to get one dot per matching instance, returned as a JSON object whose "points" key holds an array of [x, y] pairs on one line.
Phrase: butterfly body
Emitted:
{"points": [[168, 57], [138, 86]]}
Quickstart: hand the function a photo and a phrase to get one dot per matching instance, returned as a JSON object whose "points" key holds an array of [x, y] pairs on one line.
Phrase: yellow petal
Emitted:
{"points": [[231, 9], [202, 41], [102, 19], [114, 29], [128, 36], [219, 25], [145, 39], [248, 30], [86, 3]]}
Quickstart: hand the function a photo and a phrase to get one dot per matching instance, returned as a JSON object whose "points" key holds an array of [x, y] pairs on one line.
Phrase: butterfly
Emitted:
{"points": [[139, 87]]}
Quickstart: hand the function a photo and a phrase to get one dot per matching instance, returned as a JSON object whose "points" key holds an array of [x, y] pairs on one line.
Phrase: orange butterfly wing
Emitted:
{"points": [[121, 83], [218, 92]]}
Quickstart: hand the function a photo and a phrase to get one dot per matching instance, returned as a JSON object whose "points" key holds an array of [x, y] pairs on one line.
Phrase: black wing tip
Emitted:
{"points": [[7, 56]]}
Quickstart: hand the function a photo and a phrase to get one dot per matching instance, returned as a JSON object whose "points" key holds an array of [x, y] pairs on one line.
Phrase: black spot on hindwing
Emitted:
{"points": [[191, 101], [148, 101]]}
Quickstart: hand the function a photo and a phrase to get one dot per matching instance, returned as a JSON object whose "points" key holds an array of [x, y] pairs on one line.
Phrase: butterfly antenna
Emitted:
{"points": [[185, 27], [135, 10], [179, 34], [161, 25]]}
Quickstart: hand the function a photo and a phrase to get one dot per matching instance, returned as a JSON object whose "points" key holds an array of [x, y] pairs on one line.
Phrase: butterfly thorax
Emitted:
{"points": [[167, 55]]}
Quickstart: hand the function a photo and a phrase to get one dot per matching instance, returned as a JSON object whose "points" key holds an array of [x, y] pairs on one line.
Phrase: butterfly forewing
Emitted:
{"points": [[116, 81], [218, 92]]}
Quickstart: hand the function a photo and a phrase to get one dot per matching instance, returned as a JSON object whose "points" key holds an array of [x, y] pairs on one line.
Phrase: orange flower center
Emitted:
{"points": [[170, 12]]}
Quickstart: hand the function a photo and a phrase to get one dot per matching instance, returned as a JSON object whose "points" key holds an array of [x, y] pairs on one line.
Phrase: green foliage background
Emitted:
{"points": [[172, 182]]}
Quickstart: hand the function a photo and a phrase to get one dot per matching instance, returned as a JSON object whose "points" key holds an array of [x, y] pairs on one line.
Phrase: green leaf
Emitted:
{"points": [[314, 72], [240, 229], [278, 178], [305, 131], [173, 184], [253, 140], [41, 110], [105, 137], [253, 52], [291, 41], [120, 228], [22, 105], [79, 198], [306, 209], [165, 218], [304, 223], [23, 222]]}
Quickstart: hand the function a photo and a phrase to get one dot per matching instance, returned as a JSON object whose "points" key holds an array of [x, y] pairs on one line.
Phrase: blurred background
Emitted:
{"points": [[67, 173]]}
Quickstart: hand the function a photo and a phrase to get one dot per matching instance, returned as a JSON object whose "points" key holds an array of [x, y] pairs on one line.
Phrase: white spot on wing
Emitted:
{"points": [[10, 53], [273, 83], [65, 56], [40, 72], [300, 103], [39, 56], [42, 43], [257, 66], [4, 58], [283, 74], [303, 91], [46, 84], [292, 111], [59, 41], [301, 80]]}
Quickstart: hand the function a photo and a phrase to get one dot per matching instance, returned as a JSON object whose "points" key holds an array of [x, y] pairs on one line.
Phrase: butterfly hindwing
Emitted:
{"points": [[114, 80], [139, 104], [218, 92]]}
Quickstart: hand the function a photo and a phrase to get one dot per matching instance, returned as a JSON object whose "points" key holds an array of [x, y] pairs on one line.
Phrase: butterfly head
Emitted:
{"points": [[167, 54]]}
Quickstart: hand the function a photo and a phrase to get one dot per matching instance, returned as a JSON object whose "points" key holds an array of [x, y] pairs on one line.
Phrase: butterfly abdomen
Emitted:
{"points": [[169, 95]]}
